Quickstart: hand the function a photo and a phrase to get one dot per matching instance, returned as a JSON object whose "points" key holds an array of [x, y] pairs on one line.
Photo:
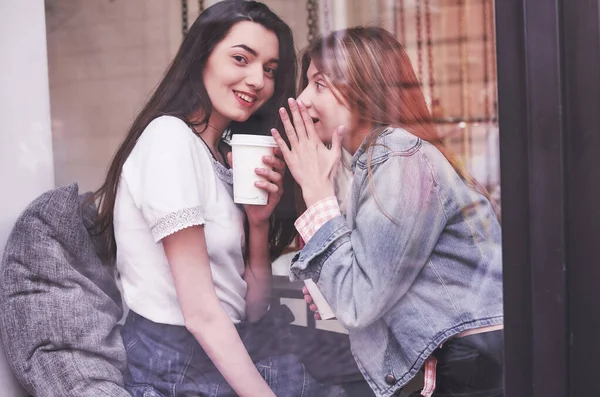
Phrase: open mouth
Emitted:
{"points": [[245, 97], [315, 120]]}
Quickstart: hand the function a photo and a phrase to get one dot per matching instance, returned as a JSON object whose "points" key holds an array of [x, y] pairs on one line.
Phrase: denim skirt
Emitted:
{"points": [[166, 360]]}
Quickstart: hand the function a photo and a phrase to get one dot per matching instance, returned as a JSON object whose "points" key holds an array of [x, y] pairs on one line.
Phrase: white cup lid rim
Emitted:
{"points": [[253, 140]]}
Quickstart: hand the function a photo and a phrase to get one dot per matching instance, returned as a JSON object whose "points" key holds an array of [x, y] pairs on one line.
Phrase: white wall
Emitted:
{"points": [[104, 60], [26, 168]]}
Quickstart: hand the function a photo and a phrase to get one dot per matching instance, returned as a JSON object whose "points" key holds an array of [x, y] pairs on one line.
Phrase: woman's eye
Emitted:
{"points": [[319, 86], [270, 71], [240, 59]]}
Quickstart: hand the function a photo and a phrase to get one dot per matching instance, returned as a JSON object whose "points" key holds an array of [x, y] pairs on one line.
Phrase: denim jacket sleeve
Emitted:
{"points": [[364, 270]]}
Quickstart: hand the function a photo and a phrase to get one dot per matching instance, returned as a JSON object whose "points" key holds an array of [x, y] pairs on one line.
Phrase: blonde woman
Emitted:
{"points": [[413, 267]]}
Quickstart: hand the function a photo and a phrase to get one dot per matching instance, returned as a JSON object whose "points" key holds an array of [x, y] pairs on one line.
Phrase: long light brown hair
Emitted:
{"points": [[372, 72]]}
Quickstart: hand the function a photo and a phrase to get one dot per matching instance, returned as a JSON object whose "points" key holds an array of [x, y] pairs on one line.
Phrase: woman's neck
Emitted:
{"points": [[353, 139], [212, 136], [212, 133]]}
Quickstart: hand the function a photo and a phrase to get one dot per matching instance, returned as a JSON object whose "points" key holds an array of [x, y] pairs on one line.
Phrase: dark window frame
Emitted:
{"points": [[549, 119]]}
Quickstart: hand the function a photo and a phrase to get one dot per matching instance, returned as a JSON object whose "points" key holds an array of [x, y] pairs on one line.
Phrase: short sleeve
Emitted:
{"points": [[168, 174]]}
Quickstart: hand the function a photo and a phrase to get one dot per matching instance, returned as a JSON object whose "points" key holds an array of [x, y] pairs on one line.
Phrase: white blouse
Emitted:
{"points": [[170, 181]]}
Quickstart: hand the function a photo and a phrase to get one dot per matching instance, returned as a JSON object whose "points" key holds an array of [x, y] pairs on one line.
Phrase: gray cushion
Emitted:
{"points": [[59, 304]]}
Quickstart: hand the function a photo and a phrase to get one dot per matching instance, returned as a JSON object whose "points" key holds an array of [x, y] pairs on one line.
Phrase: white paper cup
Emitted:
{"points": [[247, 153], [322, 306]]}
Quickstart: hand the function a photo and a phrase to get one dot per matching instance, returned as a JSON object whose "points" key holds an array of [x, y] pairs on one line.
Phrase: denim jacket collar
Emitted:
{"points": [[363, 148]]}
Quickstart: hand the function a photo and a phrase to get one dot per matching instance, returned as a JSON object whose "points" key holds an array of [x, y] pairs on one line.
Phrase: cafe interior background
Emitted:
{"points": [[98, 60], [106, 56]]}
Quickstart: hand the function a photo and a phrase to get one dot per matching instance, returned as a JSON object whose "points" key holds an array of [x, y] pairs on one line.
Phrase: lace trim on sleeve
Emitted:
{"points": [[176, 221]]}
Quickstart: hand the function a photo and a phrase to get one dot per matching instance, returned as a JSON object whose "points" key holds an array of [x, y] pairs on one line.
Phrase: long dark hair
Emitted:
{"points": [[181, 93]]}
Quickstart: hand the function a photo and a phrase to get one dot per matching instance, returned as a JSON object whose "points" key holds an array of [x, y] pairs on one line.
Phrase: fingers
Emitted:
{"points": [[230, 159], [275, 162], [307, 297], [281, 145], [269, 187], [271, 176], [336, 139], [307, 120], [298, 121], [288, 127], [311, 305], [336, 146], [274, 178]]}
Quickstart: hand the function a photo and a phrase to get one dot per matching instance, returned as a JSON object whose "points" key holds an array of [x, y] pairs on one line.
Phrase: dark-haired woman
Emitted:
{"points": [[195, 267]]}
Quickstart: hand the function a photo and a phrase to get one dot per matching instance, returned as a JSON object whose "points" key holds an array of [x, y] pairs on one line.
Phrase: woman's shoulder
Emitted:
{"points": [[389, 143], [399, 140], [166, 139], [167, 129]]}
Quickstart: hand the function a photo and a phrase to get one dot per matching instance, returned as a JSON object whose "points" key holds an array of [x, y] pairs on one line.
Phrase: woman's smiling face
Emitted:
{"points": [[240, 73]]}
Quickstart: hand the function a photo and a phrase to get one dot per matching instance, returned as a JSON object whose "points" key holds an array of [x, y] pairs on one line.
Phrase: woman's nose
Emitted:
{"points": [[256, 78], [305, 99]]}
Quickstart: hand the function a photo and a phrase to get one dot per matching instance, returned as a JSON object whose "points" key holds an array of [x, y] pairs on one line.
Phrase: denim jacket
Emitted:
{"points": [[415, 260]]}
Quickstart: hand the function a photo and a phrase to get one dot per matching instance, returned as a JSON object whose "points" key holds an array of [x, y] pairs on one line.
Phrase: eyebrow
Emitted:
{"points": [[252, 51], [316, 74]]}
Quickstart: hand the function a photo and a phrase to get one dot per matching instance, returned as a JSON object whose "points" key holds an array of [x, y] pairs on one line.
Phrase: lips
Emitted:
{"points": [[245, 96]]}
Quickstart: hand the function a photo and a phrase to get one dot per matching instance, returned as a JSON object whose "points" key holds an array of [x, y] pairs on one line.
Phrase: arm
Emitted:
{"points": [[258, 274], [363, 272], [169, 175], [204, 317]]}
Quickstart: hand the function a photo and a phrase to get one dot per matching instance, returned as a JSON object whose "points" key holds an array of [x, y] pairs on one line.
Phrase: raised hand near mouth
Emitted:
{"points": [[311, 163]]}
